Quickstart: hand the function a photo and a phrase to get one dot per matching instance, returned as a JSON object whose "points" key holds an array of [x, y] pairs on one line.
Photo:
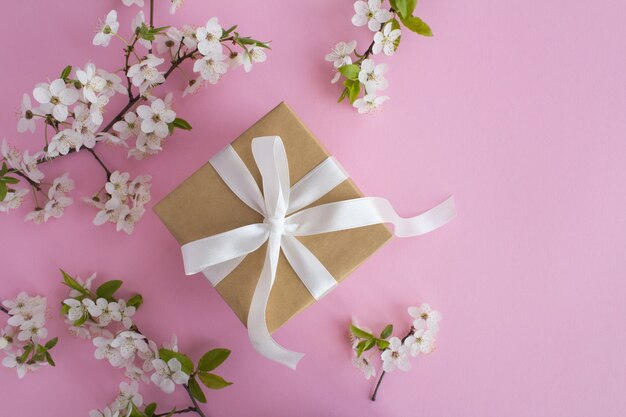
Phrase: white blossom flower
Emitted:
{"points": [[29, 165], [148, 356], [172, 344], [129, 396], [10, 361], [136, 23], [156, 117], [372, 76], [385, 40], [170, 41], [395, 356], [96, 110], [25, 306], [77, 309], [370, 13], [370, 103], [168, 375], [109, 213], [117, 186], [145, 74], [340, 54], [193, 86], [103, 310], [421, 341], [58, 96], [128, 126], [425, 317], [63, 184], [11, 154], [127, 312], [130, 3], [63, 142], [190, 40], [77, 331], [56, 207], [364, 365], [175, 5], [129, 342], [135, 373], [211, 67], [208, 37], [33, 329], [128, 217], [13, 200], [149, 143], [4, 342], [104, 350], [26, 121], [106, 29], [113, 83], [253, 55], [36, 216], [106, 411], [93, 84]]}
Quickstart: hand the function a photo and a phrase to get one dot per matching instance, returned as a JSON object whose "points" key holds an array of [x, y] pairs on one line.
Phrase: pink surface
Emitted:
{"points": [[516, 108]]}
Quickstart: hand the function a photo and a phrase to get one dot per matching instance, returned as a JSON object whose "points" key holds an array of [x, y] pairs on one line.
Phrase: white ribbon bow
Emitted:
{"points": [[216, 256]]}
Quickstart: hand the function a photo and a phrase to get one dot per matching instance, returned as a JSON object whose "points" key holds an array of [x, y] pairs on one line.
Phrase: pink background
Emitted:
{"points": [[516, 108]]}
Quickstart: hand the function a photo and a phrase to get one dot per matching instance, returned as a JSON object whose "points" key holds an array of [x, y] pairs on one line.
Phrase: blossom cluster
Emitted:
{"points": [[361, 72], [394, 352], [23, 339], [121, 201], [108, 321], [72, 109]]}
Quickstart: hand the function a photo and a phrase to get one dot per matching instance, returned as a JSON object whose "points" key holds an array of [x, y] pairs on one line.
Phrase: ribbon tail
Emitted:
{"points": [[309, 269], [257, 325]]}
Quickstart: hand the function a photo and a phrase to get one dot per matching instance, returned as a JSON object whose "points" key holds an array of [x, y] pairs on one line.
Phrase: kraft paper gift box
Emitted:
{"points": [[203, 205]]}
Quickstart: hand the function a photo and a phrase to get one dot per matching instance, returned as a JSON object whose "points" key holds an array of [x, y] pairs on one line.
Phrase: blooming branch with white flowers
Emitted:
{"points": [[360, 72], [393, 351], [108, 321], [71, 109], [23, 339]]}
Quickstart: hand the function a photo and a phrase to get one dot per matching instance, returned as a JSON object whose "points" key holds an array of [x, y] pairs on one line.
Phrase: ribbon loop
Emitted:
{"points": [[218, 255]]}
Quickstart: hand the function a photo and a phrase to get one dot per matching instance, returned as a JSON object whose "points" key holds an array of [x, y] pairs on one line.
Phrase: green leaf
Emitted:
{"points": [[361, 334], [417, 25], [107, 289], [213, 381], [66, 72], [4, 190], [355, 90], [184, 360], [150, 409], [51, 343], [227, 32], [171, 413], [135, 301], [49, 359], [146, 33], [351, 71], [360, 347], [343, 95], [73, 284], [81, 320], [65, 309], [382, 344], [404, 7], [9, 180], [212, 359], [181, 124], [196, 391], [4, 169], [386, 331]]}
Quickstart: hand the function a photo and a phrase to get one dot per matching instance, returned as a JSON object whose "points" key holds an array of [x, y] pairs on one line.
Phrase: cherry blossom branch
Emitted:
{"points": [[3, 309], [382, 374], [183, 411]]}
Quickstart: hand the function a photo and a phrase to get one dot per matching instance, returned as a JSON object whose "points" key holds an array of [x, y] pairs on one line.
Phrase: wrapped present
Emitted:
{"points": [[274, 223]]}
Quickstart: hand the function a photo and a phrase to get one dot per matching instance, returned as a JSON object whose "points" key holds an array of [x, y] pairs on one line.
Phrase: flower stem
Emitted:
{"points": [[183, 411], [195, 403], [382, 375], [4, 309], [106, 170]]}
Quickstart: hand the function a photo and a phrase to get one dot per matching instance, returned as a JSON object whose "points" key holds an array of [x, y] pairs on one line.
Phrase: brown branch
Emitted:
{"points": [[382, 375]]}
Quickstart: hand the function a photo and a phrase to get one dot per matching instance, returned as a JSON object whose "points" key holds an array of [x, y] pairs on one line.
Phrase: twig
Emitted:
{"points": [[4, 309], [108, 172], [382, 374], [195, 403], [183, 411]]}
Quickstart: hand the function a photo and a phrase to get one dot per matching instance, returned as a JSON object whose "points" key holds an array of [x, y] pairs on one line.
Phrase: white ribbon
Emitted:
{"points": [[218, 255]]}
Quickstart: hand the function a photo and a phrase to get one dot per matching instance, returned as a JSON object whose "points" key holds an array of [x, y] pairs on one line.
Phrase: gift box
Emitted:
{"points": [[205, 206]]}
